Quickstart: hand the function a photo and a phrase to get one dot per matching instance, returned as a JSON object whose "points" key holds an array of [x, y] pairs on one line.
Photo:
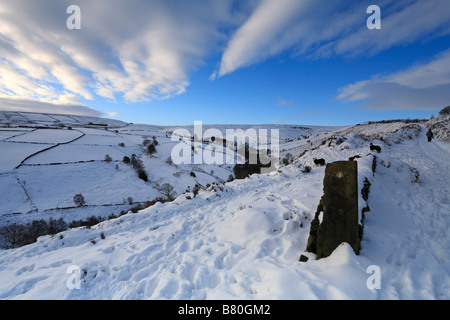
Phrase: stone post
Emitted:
{"points": [[336, 218]]}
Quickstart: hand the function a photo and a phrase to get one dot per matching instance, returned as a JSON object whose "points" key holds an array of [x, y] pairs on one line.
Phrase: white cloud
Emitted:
{"points": [[139, 50], [424, 87], [402, 22], [262, 35], [321, 28], [431, 74]]}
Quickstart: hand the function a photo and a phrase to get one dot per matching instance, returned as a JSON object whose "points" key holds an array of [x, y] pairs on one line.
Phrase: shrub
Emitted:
{"points": [[112, 216], [78, 199], [137, 164], [288, 159], [151, 149], [416, 175], [169, 161], [126, 160], [136, 209], [89, 222], [142, 174], [17, 235], [306, 169], [38, 228], [146, 143], [56, 226], [108, 158], [196, 189], [130, 200]]}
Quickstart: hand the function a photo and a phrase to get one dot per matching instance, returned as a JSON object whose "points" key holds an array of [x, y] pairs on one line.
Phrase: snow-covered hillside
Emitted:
{"points": [[48, 159], [239, 239]]}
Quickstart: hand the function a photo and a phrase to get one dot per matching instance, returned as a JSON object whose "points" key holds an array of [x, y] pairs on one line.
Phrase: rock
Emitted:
{"points": [[242, 171], [303, 258], [339, 208]]}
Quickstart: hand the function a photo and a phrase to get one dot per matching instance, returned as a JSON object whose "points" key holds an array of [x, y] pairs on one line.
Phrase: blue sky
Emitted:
{"points": [[227, 61]]}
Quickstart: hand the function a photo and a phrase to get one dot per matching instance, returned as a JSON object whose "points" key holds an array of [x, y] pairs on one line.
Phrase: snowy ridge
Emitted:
{"points": [[243, 239]]}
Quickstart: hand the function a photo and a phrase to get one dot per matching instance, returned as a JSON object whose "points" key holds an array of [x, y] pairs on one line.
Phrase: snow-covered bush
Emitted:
{"points": [[408, 132], [440, 127]]}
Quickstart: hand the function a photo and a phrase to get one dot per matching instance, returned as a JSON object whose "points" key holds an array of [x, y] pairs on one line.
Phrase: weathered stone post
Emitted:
{"points": [[336, 218]]}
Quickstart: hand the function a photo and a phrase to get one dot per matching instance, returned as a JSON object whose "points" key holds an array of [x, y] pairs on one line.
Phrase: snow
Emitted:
{"points": [[11, 190], [5, 135], [241, 239], [82, 178], [72, 153], [51, 136], [14, 153]]}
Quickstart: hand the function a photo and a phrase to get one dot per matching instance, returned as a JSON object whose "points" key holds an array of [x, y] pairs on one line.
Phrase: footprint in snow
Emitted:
{"points": [[25, 269], [219, 262]]}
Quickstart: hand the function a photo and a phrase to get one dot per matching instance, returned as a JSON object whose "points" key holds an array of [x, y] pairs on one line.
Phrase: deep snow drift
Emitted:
{"points": [[243, 239]]}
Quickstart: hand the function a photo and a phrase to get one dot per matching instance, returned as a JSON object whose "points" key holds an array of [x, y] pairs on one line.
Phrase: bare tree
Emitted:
{"points": [[167, 190], [13, 235], [78, 199]]}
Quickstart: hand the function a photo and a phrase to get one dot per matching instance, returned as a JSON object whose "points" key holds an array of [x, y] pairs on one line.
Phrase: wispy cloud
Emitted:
{"points": [[284, 102], [424, 87], [264, 34], [320, 28]]}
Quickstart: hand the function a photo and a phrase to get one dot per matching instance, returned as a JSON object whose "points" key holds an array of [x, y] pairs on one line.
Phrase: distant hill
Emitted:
{"points": [[47, 119]]}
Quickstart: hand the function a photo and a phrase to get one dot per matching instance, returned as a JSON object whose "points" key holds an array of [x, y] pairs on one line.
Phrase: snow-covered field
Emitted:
{"points": [[234, 240]]}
